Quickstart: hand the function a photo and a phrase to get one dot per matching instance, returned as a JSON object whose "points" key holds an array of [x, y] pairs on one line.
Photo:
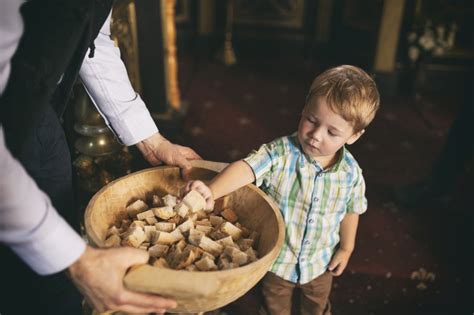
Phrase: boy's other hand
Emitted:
{"points": [[339, 262], [201, 188]]}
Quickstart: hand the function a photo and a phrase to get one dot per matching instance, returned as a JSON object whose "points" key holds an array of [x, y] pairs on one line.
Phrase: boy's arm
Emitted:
{"points": [[234, 176], [348, 231], [346, 246]]}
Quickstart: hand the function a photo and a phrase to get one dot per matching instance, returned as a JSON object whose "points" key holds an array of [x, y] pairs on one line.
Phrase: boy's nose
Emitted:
{"points": [[316, 134]]}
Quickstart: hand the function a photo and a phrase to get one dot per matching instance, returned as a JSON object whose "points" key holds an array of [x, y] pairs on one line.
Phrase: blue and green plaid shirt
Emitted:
{"points": [[313, 203]]}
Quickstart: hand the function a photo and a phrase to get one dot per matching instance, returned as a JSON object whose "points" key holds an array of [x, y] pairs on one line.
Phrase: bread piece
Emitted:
{"points": [[194, 200], [165, 226], [205, 264], [134, 237], [203, 228], [181, 209], [245, 243], [216, 220], [151, 220], [164, 238], [231, 230], [150, 231], [158, 250], [195, 237], [210, 246], [186, 226], [164, 213], [112, 241], [229, 215], [145, 214], [136, 207], [226, 241], [169, 200]]}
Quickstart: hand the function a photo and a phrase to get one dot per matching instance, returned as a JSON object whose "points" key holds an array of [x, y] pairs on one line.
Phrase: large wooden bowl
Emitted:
{"points": [[194, 291]]}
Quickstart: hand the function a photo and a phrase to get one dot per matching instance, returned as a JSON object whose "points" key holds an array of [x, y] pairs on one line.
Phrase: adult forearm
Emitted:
{"points": [[234, 176], [348, 231], [29, 224], [106, 81]]}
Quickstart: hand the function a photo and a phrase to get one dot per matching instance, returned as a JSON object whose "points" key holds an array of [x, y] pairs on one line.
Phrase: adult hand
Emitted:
{"points": [[201, 188], [157, 149], [99, 273], [339, 262]]}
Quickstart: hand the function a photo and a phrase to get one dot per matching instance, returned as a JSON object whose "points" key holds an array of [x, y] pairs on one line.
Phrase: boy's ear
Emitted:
{"points": [[355, 137]]}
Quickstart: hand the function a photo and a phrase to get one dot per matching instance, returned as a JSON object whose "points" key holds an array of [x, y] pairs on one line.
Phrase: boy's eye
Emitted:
{"points": [[331, 133]]}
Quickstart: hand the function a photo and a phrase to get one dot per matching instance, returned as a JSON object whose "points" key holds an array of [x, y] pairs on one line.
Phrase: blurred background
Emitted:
{"points": [[224, 77]]}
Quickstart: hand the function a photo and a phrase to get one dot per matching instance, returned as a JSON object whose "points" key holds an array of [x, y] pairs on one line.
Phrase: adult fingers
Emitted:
{"points": [[131, 256], [152, 159], [135, 302], [181, 161], [189, 153]]}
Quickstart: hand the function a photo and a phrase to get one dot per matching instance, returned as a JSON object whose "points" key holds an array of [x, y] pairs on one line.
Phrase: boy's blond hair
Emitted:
{"points": [[349, 92]]}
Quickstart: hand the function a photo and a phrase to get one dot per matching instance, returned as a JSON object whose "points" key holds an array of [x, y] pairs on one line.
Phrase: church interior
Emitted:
{"points": [[224, 77]]}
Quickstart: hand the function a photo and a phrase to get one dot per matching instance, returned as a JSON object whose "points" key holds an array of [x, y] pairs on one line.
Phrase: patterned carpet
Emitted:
{"points": [[407, 261]]}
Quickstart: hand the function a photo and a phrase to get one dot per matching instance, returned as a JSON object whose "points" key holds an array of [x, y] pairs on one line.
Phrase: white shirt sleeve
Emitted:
{"points": [[106, 81], [11, 28], [29, 224]]}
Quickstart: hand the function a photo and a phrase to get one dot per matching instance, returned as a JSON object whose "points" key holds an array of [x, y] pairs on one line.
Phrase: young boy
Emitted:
{"points": [[317, 185]]}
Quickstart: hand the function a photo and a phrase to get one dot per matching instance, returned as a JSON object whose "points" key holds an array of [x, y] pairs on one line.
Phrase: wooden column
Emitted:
{"points": [[389, 32], [170, 54], [387, 76]]}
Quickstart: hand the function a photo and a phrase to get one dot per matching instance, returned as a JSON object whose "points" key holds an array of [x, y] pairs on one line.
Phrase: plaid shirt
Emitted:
{"points": [[313, 203]]}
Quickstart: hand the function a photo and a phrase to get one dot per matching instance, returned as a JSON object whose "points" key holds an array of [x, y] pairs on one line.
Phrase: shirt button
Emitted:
{"points": [[306, 242], [320, 174], [302, 259], [315, 199], [311, 220]]}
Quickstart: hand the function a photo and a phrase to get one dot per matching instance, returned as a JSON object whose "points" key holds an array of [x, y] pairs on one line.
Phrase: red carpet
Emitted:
{"points": [[234, 110]]}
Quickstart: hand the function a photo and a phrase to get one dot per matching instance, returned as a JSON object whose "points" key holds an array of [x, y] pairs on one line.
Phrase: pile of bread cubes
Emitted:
{"points": [[184, 235]]}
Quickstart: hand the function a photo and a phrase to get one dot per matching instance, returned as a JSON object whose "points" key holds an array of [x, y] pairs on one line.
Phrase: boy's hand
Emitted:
{"points": [[339, 262], [201, 188]]}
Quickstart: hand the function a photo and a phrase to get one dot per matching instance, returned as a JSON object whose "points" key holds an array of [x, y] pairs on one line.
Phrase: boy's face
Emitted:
{"points": [[322, 132]]}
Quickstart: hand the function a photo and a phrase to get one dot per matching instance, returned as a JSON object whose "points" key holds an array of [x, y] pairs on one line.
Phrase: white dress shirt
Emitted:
{"points": [[29, 224], [106, 81], [11, 28]]}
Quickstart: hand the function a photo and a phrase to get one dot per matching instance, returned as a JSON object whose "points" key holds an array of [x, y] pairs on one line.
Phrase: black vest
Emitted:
{"points": [[57, 34]]}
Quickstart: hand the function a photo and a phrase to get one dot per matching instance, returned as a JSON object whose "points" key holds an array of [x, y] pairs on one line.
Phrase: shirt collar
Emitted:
{"points": [[342, 163]]}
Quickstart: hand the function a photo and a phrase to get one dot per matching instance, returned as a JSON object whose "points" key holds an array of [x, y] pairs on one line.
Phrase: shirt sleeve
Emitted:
{"points": [[106, 81], [29, 224], [357, 202], [11, 28], [261, 162]]}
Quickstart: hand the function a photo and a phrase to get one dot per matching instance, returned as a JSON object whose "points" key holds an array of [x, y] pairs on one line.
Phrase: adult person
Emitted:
{"points": [[57, 36]]}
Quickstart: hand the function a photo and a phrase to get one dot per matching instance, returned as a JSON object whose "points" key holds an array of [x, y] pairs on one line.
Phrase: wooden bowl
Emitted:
{"points": [[194, 291]]}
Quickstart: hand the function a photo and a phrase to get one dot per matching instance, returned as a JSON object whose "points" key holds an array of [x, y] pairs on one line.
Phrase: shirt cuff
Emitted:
{"points": [[135, 124], [56, 250], [358, 207]]}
